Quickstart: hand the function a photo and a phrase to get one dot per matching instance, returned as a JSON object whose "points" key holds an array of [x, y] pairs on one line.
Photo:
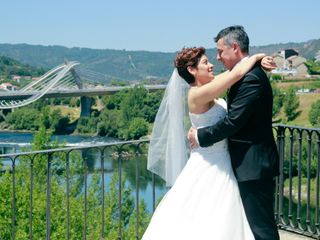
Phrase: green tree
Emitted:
{"points": [[24, 119], [45, 117], [58, 123], [40, 104], [128, 113], [138, 127], [291, 104], [133, 103], [87, 125], [313, 67], [131, 107], [313, 158], [108, 123], [151, 105], [278, 100], [114, 101], [314, 114]]}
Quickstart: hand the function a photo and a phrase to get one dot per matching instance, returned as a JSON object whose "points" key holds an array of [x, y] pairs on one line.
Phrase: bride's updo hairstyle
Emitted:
{"points": [[188, 57]]}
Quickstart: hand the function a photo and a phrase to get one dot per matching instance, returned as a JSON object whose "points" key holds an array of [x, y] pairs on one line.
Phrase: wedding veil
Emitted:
{"points": [[168, 151]]}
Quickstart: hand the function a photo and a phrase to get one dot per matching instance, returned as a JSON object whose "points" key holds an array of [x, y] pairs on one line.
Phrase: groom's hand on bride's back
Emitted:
{"points": [[192, 137]]}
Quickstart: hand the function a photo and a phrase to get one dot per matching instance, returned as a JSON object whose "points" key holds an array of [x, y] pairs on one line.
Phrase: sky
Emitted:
{"points": [[162, 25]]}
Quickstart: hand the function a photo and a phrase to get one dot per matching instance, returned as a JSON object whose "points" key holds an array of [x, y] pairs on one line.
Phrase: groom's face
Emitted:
{"points": [[226, 54]]}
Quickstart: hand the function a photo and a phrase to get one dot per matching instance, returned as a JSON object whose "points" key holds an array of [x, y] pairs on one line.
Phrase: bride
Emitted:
{"points": [[204, 201]]}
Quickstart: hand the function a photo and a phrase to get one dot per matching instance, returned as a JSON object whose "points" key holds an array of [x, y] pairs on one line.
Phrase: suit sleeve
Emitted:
{"points": [[240, 110]]}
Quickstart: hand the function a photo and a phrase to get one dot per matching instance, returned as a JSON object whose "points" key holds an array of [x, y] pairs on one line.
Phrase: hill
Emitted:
{"points": [[117, 64], [307, 49], [127, 65], [9, 66]]}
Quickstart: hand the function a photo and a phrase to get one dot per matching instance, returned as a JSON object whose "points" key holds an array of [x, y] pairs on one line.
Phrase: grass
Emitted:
{"points": [[73, 113], [311, 84], [306, 100]]}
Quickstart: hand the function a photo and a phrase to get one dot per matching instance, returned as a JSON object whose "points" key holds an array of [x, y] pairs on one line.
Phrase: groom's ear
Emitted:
{"points": [[236, 47]]}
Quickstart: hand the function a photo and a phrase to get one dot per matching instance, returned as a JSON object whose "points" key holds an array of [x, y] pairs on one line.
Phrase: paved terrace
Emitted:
{"points": [[285, 235]]}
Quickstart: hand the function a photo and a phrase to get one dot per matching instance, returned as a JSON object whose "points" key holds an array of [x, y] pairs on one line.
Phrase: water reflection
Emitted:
{"points": [[134, 168]]}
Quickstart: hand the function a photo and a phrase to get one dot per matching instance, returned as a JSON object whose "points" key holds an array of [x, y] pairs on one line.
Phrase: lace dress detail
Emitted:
{"points": [[204, 203]]}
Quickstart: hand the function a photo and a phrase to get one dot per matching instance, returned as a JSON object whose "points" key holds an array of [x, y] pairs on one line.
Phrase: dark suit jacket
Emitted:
{"points": [[248, 126]]}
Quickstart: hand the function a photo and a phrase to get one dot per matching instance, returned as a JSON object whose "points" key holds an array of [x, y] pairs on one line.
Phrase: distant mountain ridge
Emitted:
{"points": [[128, 65]]}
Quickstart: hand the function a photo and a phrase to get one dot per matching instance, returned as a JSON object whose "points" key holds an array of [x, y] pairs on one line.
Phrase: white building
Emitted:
{"points": [[8, 87], [289, 63]]}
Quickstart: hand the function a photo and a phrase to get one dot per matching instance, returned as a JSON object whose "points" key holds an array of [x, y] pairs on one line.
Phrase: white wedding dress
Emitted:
{"points": [[204, 203]]}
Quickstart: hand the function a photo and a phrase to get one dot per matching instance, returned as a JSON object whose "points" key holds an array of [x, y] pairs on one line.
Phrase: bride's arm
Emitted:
{"points": [[206, 93]]}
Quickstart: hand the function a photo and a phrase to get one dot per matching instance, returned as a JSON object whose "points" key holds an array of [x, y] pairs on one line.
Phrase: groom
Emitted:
{"points": [[248, 126]]}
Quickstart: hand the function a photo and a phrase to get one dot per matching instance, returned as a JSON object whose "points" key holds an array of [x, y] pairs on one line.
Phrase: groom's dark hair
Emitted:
{"points": [[233, 34]]}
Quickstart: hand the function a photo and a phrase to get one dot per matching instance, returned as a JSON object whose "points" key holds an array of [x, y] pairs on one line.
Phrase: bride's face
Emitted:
{"points": [[204, 71]]}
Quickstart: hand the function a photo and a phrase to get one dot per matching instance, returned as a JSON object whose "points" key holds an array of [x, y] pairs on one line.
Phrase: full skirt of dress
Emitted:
{"points": [[203, 204]]}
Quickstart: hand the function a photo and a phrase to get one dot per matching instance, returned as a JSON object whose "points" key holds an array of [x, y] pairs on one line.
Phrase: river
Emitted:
{"points": [[18, 139]]}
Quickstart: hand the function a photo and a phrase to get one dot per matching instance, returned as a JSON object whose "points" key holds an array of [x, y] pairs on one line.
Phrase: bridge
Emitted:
{"points": [[98, 91], [65, 80]]}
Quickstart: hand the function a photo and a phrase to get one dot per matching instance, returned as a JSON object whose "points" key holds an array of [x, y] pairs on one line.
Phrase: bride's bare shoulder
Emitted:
{"points": [[191, 98], [192, 93], [195, 107]]}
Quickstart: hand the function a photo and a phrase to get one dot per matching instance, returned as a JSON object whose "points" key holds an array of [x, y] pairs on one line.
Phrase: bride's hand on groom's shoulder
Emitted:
{"points": [[192, 137], [268, 64]]}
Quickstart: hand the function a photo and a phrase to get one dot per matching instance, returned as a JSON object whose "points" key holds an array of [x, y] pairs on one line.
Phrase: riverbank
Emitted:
{"points": [[72, 134], [19, 139]]}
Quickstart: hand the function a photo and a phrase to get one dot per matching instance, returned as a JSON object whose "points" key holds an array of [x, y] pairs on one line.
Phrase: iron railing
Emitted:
{"points": [[61, 166], [89, 208], [297, 191]]}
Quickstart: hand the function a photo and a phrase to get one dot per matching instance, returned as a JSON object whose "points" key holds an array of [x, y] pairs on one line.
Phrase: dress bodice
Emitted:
{"points": [[209, 118]]}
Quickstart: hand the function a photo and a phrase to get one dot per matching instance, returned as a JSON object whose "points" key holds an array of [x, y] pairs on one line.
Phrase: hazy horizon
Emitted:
{"points": [[145, 50]]}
